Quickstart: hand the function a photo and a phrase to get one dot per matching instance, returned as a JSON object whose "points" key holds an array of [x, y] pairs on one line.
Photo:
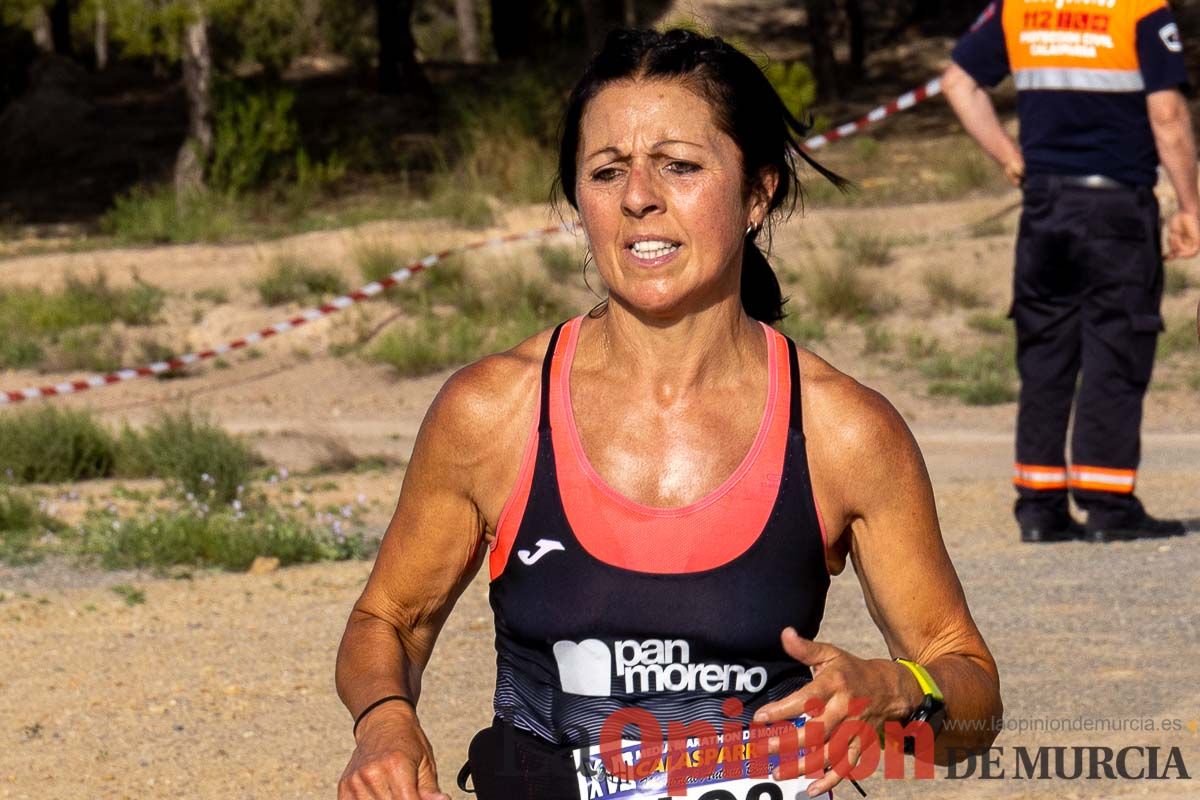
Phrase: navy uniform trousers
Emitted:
{"points": [[1087, 288]]}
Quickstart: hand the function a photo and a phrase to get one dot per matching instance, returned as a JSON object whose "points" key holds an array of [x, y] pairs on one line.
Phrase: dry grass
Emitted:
{"points": [[948, 291]]}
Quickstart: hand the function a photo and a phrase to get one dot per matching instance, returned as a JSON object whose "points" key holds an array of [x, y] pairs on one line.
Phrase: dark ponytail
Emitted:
{"points": [[762, 296], [744, 105]]}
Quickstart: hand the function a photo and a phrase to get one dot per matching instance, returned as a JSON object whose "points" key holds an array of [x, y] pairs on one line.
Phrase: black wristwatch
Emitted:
{"points": [[932, 710]]}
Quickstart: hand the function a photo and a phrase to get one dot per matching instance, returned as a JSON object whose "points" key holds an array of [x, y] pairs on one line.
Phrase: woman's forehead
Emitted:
{"points": [[654, 110]]}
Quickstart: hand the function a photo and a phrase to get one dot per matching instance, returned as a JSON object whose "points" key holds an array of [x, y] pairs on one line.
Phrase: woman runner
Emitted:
{"points": [[662, 489]]}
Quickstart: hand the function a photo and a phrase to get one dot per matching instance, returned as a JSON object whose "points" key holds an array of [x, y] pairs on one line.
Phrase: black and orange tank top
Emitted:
{"points": [[603, 604]]}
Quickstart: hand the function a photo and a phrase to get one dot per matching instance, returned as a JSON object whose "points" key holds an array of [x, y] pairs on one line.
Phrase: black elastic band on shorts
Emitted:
{"points": [[544, 419]]}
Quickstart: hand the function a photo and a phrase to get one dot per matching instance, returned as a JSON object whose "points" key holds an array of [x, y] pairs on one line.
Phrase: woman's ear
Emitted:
{"points": [[760, 197]]}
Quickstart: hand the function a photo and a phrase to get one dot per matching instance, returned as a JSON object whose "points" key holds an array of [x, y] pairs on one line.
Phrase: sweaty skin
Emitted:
{"points": [[668, 389]]}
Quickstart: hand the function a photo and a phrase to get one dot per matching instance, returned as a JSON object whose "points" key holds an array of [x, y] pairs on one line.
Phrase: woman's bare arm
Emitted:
{"points": [[464, 460], [876, 496]]}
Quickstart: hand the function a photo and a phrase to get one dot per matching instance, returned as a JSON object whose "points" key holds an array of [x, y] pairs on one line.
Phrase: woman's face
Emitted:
{"points": [[661, 196]]}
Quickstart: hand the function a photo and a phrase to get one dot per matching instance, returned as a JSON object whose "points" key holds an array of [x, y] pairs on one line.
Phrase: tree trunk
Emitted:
{"points": [[594, 24], [468, 31], [197, 82], [512, 29], [858, 38], [60, 27], [821, 40], [928, 9], [101, 35], [398, 67], [41, 31]]}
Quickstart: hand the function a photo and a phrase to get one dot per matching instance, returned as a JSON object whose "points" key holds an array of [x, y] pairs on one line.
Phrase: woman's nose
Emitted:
{"points": [[641, 193]]}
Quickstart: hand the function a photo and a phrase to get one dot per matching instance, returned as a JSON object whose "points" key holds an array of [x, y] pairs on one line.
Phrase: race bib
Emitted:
{"points": [[704, 767]]}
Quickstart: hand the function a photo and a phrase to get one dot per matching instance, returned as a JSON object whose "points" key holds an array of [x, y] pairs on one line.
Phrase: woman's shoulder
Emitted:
{"points": [[844, 418], [482, 401]]}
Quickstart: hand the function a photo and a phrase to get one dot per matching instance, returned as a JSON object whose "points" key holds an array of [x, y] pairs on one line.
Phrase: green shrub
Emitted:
{"points": [[26, 311], [377, 261], [202, 458], [947, 291], [989, 323], [291, 281], [17, 350], [215, 295], [444, 284], [1176, 280], [795, 84], [460, 204], [500, 142], [52, 445], [969, 169], [840, 291], [21, 524], [528, 304], [514, 309], [132, 595], [877, 340], [866, 149], [228, 538], [430, 344], [1180, 337], [987, 376], [152, 351], [255, 137], [561, 263], [802, 328], [155, 215], [863, 248], [95, 349], [988, 228]]}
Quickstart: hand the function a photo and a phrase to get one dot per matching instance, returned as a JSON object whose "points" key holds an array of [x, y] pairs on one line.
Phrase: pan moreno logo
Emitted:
{"points": [[650, 665]]}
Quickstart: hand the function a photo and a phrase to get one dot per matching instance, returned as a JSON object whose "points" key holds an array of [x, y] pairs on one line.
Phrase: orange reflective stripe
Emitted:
{"points": [[1032, 476], [1103, 479]]}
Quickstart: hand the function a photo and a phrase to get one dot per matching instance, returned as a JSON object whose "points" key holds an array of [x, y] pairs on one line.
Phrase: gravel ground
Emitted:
{"points": [[220, 685]]}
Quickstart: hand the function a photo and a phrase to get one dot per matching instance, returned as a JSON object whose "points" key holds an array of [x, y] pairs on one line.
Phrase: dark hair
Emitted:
{"points": [[744, 105]]}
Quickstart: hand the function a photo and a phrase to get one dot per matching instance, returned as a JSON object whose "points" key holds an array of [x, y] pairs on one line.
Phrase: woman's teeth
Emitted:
{"points": [[653, 249]]}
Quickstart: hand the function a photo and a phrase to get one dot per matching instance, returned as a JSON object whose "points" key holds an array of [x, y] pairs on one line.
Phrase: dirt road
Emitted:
{"points": [[221, 685]]}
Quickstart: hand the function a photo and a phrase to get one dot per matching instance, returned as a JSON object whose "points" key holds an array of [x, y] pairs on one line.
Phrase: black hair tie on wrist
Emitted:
{"points": [[377, 704]]}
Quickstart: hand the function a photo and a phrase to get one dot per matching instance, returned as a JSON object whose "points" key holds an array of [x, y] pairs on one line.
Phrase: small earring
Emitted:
{"points": [[751, 229]]}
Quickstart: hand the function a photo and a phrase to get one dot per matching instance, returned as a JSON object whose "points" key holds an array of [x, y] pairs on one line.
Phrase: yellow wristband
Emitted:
{"points": [[928, 685]]}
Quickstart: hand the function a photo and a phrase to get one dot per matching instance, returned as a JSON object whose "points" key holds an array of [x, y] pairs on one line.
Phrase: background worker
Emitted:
{"points": [[1100, 106]]}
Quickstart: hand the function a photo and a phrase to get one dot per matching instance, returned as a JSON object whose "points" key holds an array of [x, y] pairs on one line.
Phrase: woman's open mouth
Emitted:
{"points": [[652, 252]]}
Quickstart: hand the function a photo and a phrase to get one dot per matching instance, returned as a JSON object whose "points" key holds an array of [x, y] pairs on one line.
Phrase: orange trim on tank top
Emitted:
{"points": [[705, 534], [513, 512]]}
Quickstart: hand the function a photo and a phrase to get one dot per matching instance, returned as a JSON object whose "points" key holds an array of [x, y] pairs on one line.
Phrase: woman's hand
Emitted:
{"points": [[844, 687], [393, 759]]}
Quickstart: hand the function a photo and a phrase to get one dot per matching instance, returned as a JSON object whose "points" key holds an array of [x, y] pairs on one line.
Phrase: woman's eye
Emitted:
{"points": [[682, 167], [606, 174]]}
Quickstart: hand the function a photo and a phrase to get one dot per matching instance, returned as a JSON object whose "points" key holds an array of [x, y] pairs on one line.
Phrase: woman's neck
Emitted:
{"points": [[702, 349]]}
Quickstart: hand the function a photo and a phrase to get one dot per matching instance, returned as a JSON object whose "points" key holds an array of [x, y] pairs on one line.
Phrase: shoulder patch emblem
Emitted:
{"points": [[987, 14], [1170, 36]]}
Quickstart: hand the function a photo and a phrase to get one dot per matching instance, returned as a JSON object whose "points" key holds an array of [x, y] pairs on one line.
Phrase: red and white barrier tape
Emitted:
{"points": [[333, 306], [901, 103]]}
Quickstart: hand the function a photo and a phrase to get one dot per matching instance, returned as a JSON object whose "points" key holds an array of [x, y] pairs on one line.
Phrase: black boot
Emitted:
{"points": [[1037, 530]]}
